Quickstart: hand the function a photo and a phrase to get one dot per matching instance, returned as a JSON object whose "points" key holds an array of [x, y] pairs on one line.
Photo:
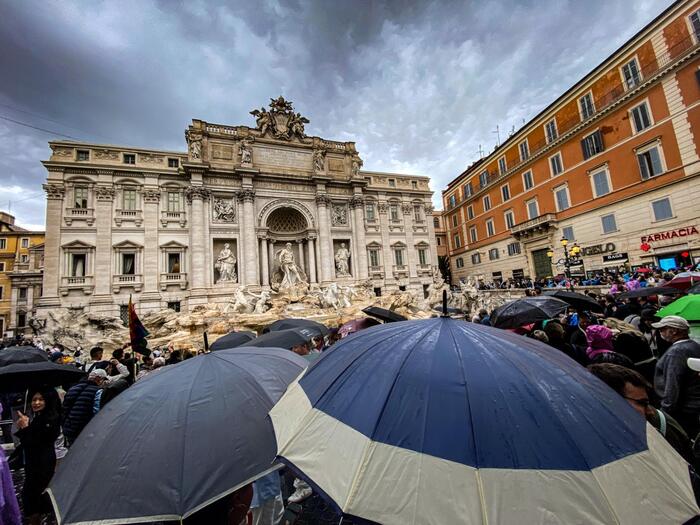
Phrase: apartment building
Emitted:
{"points": [[611, 164]]}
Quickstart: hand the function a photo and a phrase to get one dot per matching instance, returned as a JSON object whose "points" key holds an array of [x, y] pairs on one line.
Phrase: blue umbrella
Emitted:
{"points": [[440, 421], [181, 438]]}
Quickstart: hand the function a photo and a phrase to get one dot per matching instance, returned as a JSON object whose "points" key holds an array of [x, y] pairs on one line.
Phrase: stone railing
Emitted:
{"points": [[536, 223], [179, 279], [79, 214], [84, 283], [132, 280], [134, 216], [168, 217]]}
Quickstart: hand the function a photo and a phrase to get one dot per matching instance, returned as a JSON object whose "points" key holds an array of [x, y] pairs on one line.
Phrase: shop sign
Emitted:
{"points": [[598, 249], [519, 273], [670, 234], [615, 257]]}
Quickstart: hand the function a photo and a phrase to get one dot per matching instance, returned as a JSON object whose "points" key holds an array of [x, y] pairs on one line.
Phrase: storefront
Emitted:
{"points": [[670, 249]]}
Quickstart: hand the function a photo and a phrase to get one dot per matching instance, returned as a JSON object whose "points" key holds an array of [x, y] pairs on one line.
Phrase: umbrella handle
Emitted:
{"points": [[444, 303]]}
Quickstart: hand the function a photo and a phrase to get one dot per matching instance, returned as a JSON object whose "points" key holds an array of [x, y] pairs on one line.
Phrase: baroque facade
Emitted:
{"points": [[612, 164], [176, 229]]}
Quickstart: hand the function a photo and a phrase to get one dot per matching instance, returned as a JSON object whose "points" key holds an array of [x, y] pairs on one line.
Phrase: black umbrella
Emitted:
{"points": [[232, 340], [577, 300], [285, 324], [21, 376], [22, 354], [181, 438], [650, 290], [527, 310], [388, 316], [284, 338]]}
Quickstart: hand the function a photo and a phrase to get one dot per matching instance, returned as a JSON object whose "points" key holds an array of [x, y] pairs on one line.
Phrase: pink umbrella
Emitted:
{"points": [[356, 325]]}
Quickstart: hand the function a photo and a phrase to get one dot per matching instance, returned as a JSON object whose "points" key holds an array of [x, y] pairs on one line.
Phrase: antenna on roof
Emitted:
{"points": [[498, 136], [512, 131], [481, 152]]}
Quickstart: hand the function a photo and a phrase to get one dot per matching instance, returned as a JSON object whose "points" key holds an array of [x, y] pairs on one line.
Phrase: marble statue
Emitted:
{"points": [[342, 258], [195, 147], [241, 304], [226, 264], [356, 165], [436, 288], [290, 271], [261, 303], [319, 160], [224, 211], [246, 152]]}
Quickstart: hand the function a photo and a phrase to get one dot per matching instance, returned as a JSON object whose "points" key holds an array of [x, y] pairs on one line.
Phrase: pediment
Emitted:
{"points": [[77, 245]]}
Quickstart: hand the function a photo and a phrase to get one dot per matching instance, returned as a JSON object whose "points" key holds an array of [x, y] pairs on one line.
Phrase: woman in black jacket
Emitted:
{"points": [[37, 439]]}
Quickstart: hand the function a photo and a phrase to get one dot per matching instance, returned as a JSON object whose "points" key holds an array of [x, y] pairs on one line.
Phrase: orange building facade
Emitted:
{"points": [[611, 164]]}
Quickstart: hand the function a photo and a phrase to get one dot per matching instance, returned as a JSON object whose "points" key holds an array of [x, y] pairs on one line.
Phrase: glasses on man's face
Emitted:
{"points": [[644, 402]]}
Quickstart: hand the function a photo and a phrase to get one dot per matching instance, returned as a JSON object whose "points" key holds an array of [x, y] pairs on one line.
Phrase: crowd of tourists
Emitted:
{"points": [[650, 361]]}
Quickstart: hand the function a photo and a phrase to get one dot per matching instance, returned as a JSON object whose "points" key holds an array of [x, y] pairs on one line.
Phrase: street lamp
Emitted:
{"points": [[570, 257]]}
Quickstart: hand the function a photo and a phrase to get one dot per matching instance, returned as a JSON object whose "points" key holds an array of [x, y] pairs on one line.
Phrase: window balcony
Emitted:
{"points": [[79, 214], [534, 227], [133, 280], [85, 283], [173, 217], [424, 269], [135, 216], [400, 270], [167, 279]]}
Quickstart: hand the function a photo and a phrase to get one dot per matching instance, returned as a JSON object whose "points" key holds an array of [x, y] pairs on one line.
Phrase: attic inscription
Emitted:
{"points": [[280, 158]]}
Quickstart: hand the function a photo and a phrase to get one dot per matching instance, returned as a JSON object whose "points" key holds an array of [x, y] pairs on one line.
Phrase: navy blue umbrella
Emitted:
{"points": [[441, 421], [285, 324], [232, 340], [181, 438]]}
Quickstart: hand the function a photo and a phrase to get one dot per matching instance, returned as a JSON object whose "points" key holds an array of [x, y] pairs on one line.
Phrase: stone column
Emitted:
{"points": [[196, 195], [55, 193], [265, 262], [271, 248], [324, 237], [388, 262], [151, 270], [249, 252], [411, 260], [302, 265], [360, 269], [312, 260], [104, 215], [431, 234]]}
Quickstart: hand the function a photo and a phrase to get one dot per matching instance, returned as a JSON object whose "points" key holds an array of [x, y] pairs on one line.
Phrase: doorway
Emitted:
{"points": [[541, 263]]}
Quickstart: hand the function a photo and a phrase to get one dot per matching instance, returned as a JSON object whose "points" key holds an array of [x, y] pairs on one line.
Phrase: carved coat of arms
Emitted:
{"points": [[281, 121]]}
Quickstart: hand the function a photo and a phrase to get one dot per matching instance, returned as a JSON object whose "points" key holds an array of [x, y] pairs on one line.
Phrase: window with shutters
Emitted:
{"points": [[457, 241], [394, 212], [533, 210], [514, 248], [592, 144], [662, 209], [556, 166], [452, 201], [505, 192], [550, 130], [476, 258], [422, 256], [640, 117], [174, 201], [483, 179], [129, 199], [473, 237], [487, 202], [129, 158], [374, 258], [585, 104], [600, 182], [173, 163], [561, 197], [493, 254], [459, 262], [490, 228], [502, 167], [454, 220], [524, 149], [695, 25], [369, 212], [509, 218], [568, 233], [83, 154], [650, 161], [609, 223], [80, 194], [527, 180], [631, 74], [468, 191], [470, 212]]}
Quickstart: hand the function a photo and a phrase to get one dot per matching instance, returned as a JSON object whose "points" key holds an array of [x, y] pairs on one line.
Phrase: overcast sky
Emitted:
{"points": [[418, 85]]}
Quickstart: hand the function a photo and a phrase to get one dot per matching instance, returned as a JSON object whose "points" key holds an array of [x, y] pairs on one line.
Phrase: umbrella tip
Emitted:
{"points": [[444, 303]]}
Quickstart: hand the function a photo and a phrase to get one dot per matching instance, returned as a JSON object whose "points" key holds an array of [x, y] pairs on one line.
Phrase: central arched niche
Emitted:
{"points": [[286, 221]]}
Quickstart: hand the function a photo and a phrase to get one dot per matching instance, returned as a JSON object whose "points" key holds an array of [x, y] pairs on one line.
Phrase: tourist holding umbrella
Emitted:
{"points": [[232, 340], [37, 437], [527, 310], [576, 300], [439, 421]]}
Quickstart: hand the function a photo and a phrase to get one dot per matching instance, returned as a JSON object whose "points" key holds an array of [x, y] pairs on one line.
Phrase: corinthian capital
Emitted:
{"points": [[246, 195], [357, 201], [322, 199], [54, 191], [196, 192], [429, 208]]}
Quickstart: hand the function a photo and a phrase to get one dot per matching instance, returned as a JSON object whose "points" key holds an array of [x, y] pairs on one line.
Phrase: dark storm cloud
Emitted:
{"points": [[418, 85]]}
